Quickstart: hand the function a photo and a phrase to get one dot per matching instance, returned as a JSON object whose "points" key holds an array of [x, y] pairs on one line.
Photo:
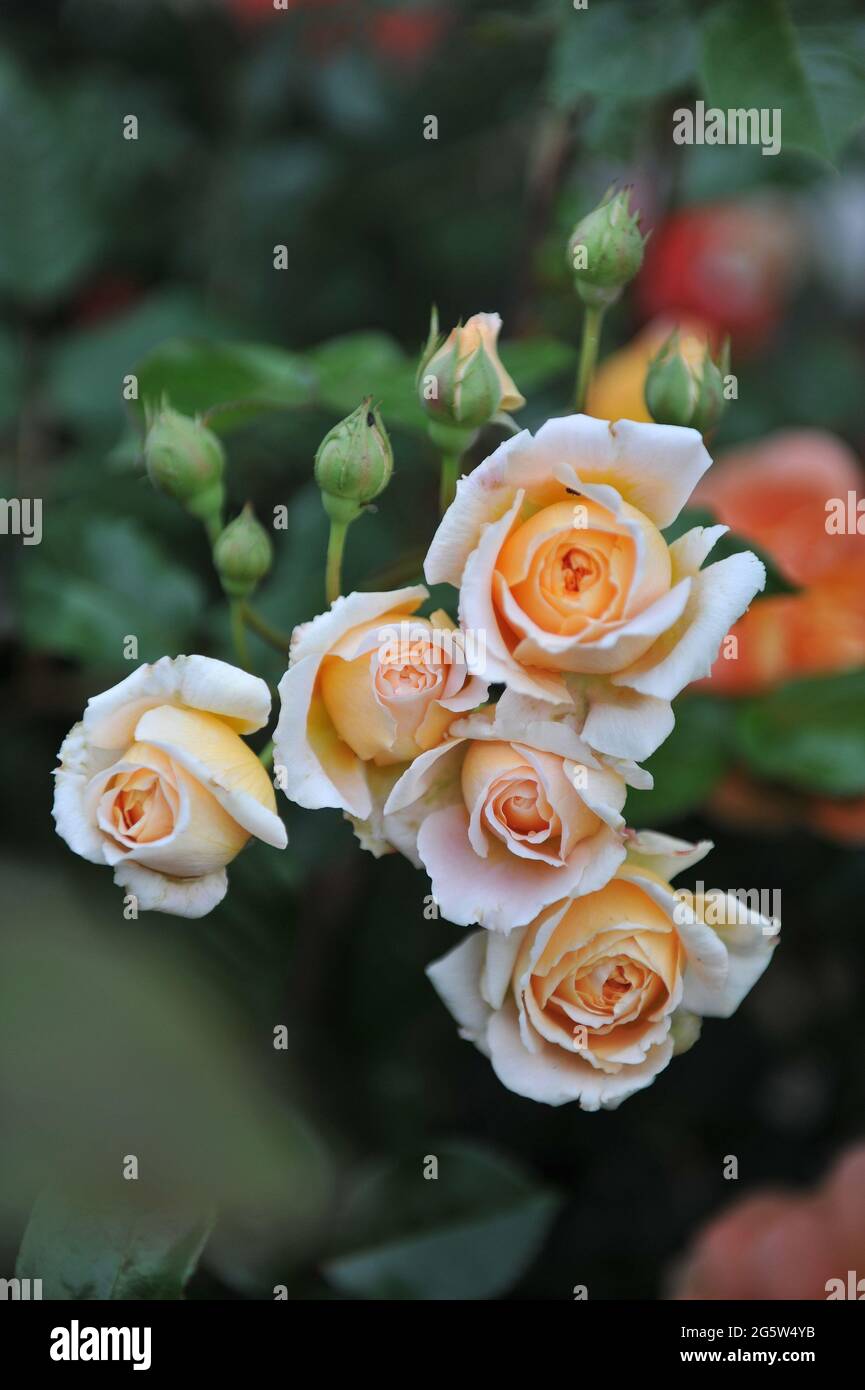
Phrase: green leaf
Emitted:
{"points": [[83, 1249], [809, 734], [82, 601], [10, 378], [753, 56], [49, 233], [729, 544], [467, 1234], [367, 364], [689, 765], [619, 49], [84, 379], [229, 382], [536, 362]]}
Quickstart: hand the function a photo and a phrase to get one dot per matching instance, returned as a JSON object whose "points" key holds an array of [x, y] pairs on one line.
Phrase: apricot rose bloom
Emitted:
{"points": [[512, 812], [369, 687], [555, 544], [157, 782], [592, 999]]}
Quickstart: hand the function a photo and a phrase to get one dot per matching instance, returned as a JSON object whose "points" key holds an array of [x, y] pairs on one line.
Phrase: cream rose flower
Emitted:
{"points": [[156, 781], [512, 812], [555, 544], [591, 1000], [369, 687]]}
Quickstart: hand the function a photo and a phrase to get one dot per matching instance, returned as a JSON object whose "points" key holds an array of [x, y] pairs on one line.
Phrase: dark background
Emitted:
{"points": [[155, 1037]]}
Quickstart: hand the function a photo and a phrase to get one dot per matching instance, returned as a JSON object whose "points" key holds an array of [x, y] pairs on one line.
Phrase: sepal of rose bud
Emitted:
{"points": [[243, 554], [354, 462], [684, 388], [605, 250], [186, 460]]}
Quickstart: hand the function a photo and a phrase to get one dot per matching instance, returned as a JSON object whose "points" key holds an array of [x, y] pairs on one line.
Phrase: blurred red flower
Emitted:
{"points": [[728, 265], [408, 36], [784, 1245]]}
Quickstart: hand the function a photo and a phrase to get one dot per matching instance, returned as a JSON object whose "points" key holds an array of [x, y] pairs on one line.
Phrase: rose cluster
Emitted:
{"points": [[495, 752]]}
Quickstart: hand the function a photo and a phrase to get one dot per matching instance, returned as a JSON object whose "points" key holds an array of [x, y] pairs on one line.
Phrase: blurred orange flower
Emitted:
{"points": [[616, 390], [785, 1245], [774, 494]]}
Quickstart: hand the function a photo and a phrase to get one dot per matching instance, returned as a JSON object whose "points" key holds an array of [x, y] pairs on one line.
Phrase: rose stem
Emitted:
{"points": [[448, 483], [263, 629], [592, 321], [335, 545], [238, 632]]}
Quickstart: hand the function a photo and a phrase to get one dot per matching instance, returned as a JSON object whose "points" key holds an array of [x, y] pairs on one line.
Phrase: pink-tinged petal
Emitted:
{"points": [[456, 978], [79, 763], [499, 961], [183, 897], [196, 682], [689, 552], [504, 890], [483, 497], [749, 940], [663, 854], [317, 768], [654, 467], [719, 596], [432, 774], [555, 1077], [625, 724]]}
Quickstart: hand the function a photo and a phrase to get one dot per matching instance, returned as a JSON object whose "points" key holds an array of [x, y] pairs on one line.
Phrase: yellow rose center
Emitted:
{"points": [[140, 806], [575, 568]]}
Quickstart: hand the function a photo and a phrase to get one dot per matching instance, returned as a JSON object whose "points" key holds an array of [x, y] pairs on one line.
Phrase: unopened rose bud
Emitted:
{"points": [[685, 386], [605, 250], [243, 554], [462, 383], [354, 463], [186, 460]]}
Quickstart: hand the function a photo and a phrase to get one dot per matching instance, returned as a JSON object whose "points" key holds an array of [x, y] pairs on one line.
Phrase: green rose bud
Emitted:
{"points": [[605, 250], [354, 463], [186, 460], [684, 387], [243, 554], [461, 381]]}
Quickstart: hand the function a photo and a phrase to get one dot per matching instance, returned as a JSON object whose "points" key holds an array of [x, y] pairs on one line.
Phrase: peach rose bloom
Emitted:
{"points": [[369, 687], [591, 1000], [784, 1245], [157, 782], [556, 545], [512, 812]]}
